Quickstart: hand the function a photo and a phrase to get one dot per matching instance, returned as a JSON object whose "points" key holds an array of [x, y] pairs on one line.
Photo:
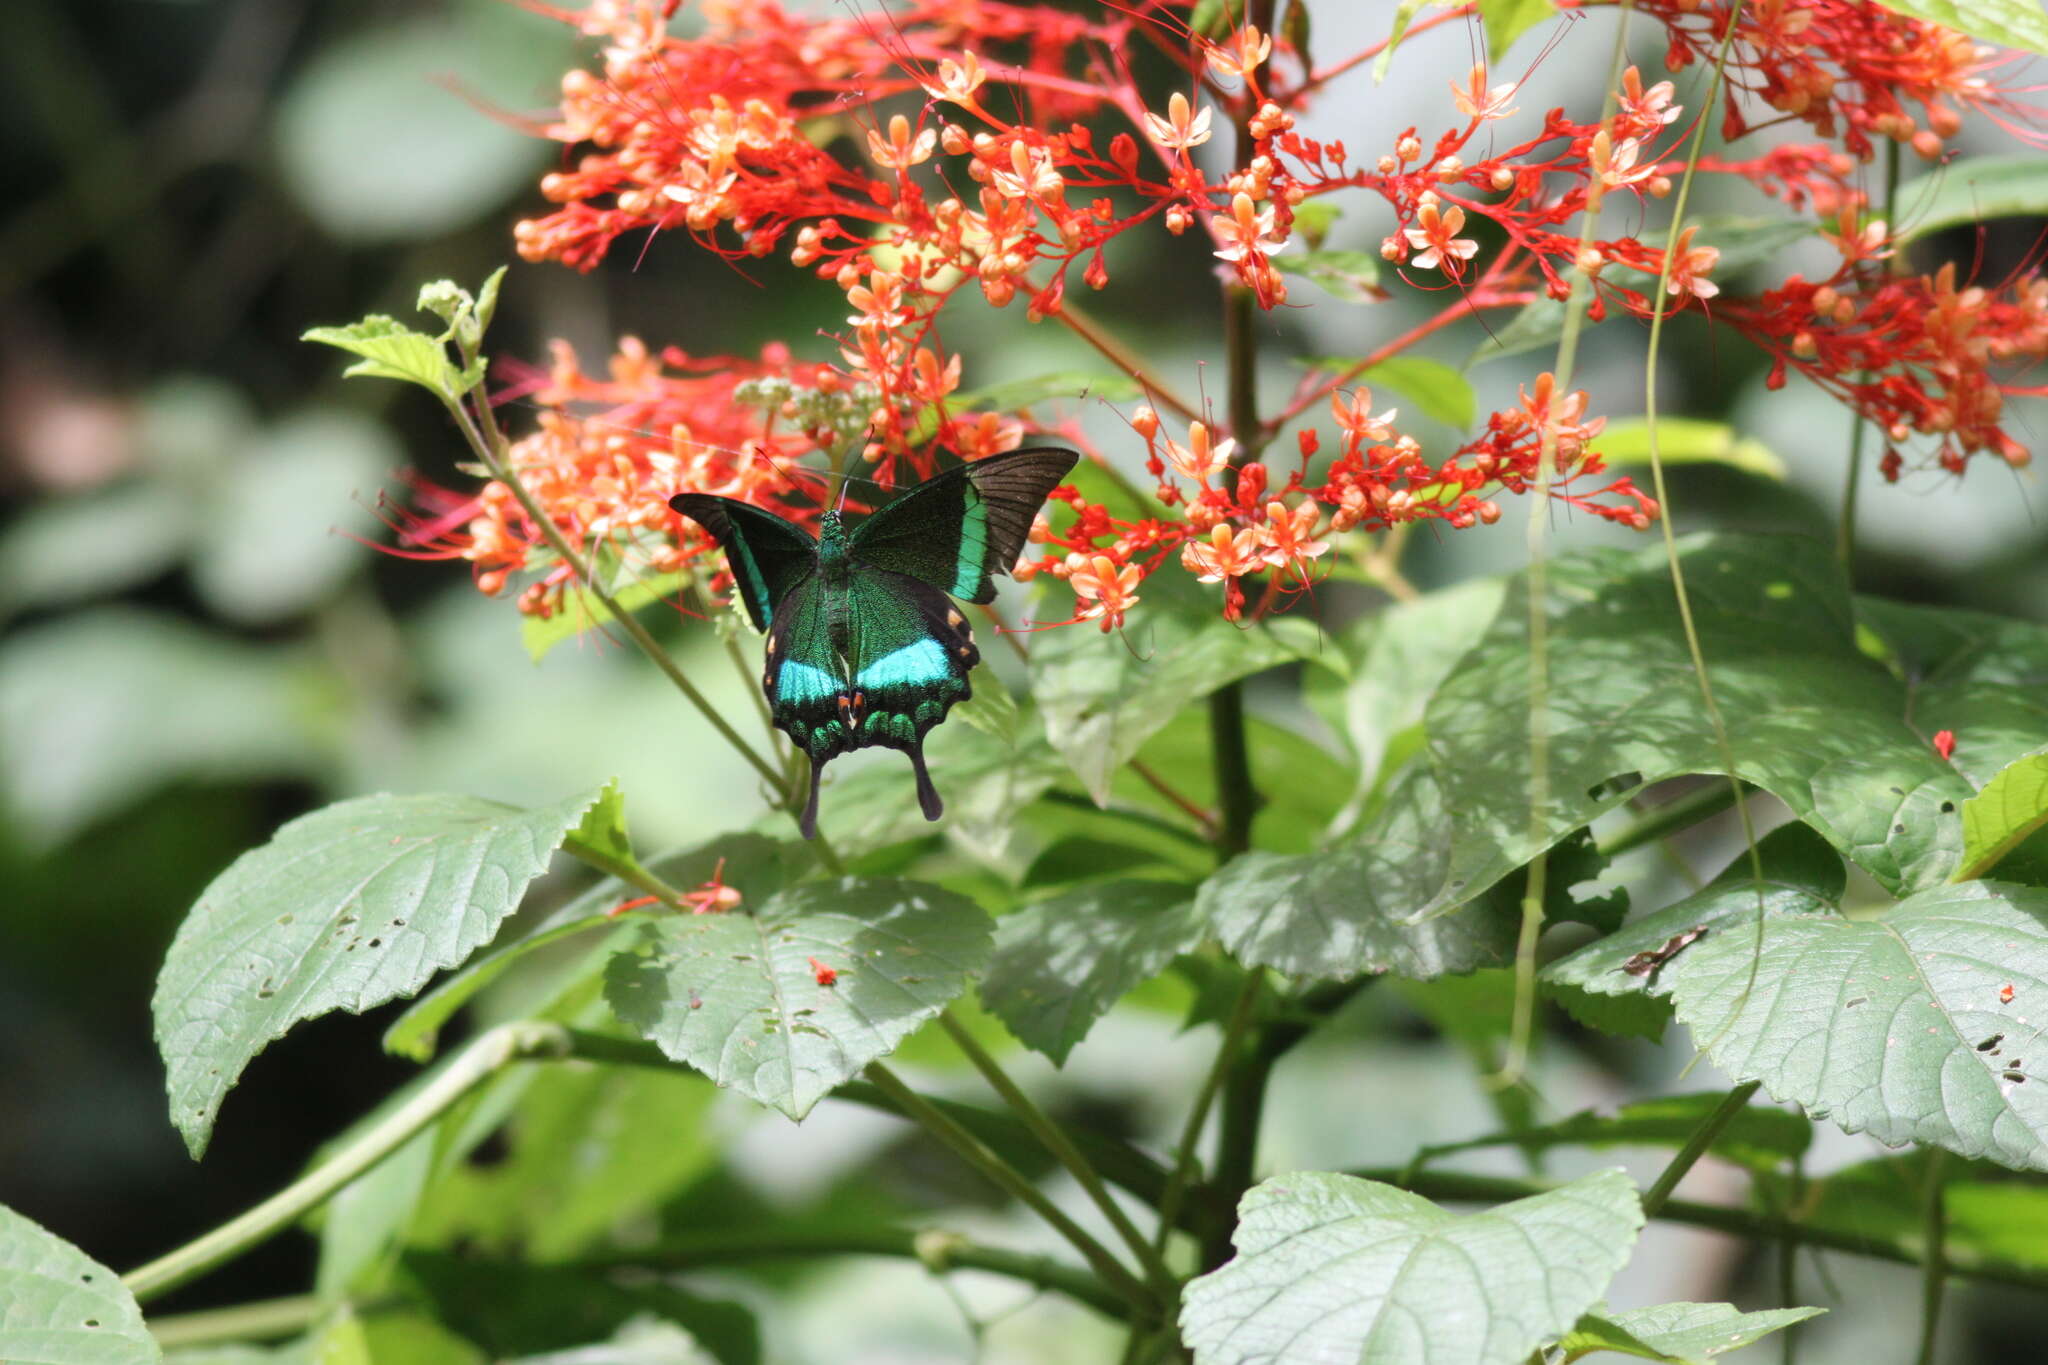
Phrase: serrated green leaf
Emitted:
{"points": [[736, 995], [582, 610], [1680, 1333], [392, 350], [1331, 1267], [984, 781], [1507, 20], [1997, 820], [1810, 718], [1976, 675], [1757, 1137], [754, 866], [1686, 440], [1060, 964], [1102, 700], [1900, 1025], [1440, 391], [1803, 876], [2011, 23], [1975, 189], [345, 908], [1350, 911], [58, 1306], [1351, 275]]}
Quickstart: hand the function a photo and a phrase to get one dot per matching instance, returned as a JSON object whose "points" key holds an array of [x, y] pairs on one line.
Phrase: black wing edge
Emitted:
{"points": [[777, 567]]}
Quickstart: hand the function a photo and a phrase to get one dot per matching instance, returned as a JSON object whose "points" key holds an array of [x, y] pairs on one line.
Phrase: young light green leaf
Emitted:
{"points": [[1350, 911], [1102, 702], [58, 1306], [1507, 20], [1803, 876], [1677, 1333], [1331, 1267], [1352, 275], [746, 997], [1912, 1026], [1997, 820], [1686, 440], [1972, 190], [392, 350], [1404, 14], [1810, 718], [754, 866], [1060, 964], [345, 908], [2009, 23], [1441, 392]]}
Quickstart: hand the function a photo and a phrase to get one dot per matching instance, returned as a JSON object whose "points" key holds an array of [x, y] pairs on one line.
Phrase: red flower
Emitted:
{"points": [[1945, 743], [825, 976]]}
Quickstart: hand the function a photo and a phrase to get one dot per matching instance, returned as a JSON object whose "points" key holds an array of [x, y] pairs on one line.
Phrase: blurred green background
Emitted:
{"points": [[194, 647]]}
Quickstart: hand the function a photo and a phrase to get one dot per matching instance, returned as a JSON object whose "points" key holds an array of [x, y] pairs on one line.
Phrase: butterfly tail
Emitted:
{"points": [[927, 795], [807, 823]]}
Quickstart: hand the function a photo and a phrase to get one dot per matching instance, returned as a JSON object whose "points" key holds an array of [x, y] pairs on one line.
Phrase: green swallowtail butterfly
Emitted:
{"points": [[863, 646]]}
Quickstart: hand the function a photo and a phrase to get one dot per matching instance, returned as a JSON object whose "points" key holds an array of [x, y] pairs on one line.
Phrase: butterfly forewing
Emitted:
{"points": [[768, 556], [957, 530]]}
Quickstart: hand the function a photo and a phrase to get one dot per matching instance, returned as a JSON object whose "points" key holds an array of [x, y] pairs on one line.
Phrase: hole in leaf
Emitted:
{"points": [[92, 1322]]}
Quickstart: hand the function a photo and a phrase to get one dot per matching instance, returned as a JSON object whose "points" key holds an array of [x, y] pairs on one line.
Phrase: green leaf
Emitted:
{"points": [[1973, 190], [1803, 876], [1684, 1333], [991, 708], [58, 1306], [582, 610], [1686, 440], [1441, 391], [1102, 701], [639, 1342], [1313, 218], [735, 995], [1350, 911], [754, 866], [1507, 20], [345, 908], [1992, 1221], [279, 537], [69, 549], [1970, 673], [1810, 718], [512, 1309], [984, 781], [2010, 23], [1351, 275], [376, 149], [1898, 1025], [1331, 1267], [1060, 964], [1404, 15], [1997, 820], [392, 350], [87, 702], [1759, 1138]]}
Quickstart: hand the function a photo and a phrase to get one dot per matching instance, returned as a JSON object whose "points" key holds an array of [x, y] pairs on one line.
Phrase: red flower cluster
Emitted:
{"points": [[891, 153]]}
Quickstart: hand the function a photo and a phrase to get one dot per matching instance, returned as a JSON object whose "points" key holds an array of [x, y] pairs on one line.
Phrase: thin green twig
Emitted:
{"points": [[1731, 1105], [1184, 1161]]}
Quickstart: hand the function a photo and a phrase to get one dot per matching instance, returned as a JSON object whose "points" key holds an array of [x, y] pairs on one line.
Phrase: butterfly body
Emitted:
{"points": [[864, 646]]}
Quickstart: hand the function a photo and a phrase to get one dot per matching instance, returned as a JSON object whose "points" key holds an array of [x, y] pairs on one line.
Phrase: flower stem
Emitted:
{"points": [[488, 443], [1011, 1181], [1055, 1140], [1696, 1146], [1083, 325], [264, 1320], [489, 1054], [1184, 1161]]}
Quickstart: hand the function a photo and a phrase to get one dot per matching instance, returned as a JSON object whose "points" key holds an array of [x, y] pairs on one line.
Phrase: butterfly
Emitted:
{"points": [[864, 647]]}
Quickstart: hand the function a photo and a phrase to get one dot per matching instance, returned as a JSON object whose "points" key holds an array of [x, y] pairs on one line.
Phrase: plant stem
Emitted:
{"points": [[1011, 1181], [938, 1250], [1652, 825], [1934, 1271], [489, 1054], [1159, 784], [1696, 1146], [265, 1320], [1055, 1140], [1236, 799], [488, 449], [1184, 1161], [1081, 324]]}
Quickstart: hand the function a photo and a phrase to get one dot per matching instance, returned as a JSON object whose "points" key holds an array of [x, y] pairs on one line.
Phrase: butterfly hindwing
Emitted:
{"points": [[912, 652], [768, 556], [958, 529]]}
